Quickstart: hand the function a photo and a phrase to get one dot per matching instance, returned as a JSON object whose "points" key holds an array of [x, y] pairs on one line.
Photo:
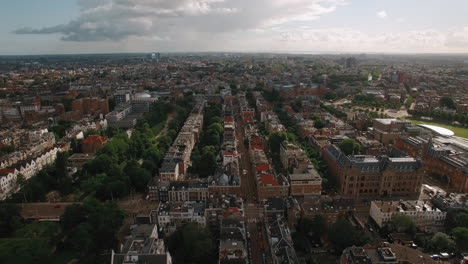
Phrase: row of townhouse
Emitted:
{"points": [[172, 215], [8, 176], [423, 213], [280, 241], [46, 141], [303, 177], [233, 242], [179, 191], [226, 179], [268, 184], [177, 159]]}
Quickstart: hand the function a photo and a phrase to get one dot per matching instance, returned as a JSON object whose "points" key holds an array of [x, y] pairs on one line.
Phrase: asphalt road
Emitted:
{"points": [[248, 183], [252, 210]]}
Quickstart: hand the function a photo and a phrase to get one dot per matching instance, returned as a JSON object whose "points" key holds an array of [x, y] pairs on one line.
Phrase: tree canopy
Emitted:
{"points": [[349, 146], [342, 234], [191, 243], [10, 219], [447, 102], [403, 223]]}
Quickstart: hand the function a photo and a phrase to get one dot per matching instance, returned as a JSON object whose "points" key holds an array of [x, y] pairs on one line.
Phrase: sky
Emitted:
{"points": [[114, 26]]}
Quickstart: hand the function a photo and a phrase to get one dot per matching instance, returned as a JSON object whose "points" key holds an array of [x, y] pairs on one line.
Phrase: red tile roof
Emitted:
{"points": [[256, 140], [231, 210], [228, 119], [94, 139], [248, 120], [259, 147], [248, 114], [262, 167], [269, 179], [7, 171]]}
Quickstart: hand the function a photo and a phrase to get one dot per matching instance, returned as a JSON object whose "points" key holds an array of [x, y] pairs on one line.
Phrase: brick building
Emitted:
{"points": [[91, 106], [93, 143], [388, 130], [179, 191], [362, 175], [445, 157], [303, 177]]}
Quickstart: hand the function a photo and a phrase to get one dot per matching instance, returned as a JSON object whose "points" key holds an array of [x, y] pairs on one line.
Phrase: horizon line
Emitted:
{"points": [[245, 52]]}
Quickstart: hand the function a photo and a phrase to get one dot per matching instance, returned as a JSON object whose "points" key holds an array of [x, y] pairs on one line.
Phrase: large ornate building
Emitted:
{"points": [[445, 157], [362, 175]]}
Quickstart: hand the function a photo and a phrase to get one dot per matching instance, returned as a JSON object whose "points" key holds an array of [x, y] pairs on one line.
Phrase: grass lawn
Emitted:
{"points": [[460, 131]]}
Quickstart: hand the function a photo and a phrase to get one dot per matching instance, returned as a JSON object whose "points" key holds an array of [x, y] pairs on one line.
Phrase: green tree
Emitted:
{"points": [[403, 223], [441, 242], [48, 230], [81, 239], [112, 130], [319, 124], [316, 226], [73, 216], [461, 219], [20, 180], [206, 163], [10, 219], [139, 177], [447, 102], [24, 250], [461, 237], [216, 127], [191, 243], [274, 141], [342, 234], [349, 146]]}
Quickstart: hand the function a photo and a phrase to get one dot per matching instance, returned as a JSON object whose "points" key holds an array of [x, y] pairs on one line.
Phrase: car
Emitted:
{"points": [[444, 256], [244, 171], [435, 257]]}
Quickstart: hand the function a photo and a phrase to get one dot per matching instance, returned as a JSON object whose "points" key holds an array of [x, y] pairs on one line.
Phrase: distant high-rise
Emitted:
{"points": [[351, 62], [121, 97], [154, 56]]}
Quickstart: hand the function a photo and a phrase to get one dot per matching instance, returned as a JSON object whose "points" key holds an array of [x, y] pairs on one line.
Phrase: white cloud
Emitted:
{"points": [[232, 25], [348, 39], [382, 14], [119, 19]]}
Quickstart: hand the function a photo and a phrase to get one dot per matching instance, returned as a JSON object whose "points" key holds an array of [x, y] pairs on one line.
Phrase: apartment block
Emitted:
{"points": [[425, 215]]}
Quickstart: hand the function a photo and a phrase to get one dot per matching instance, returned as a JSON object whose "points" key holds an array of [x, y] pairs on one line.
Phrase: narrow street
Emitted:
{"points": [[248, 183], [252, 210]]}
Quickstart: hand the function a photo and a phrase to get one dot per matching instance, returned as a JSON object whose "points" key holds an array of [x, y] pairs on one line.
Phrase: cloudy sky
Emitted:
{"points": [[104, 26]]}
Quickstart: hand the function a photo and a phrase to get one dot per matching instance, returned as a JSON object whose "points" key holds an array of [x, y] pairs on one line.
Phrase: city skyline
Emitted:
{"points": [[322, 26]]}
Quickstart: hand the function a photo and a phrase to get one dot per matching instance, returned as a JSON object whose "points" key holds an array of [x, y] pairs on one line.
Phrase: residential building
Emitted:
{"points": [[233, 243], [172, 215], [91, 106], [387, 254], [280, 241], [142, 246], [177, 159], [331, 209], [387, 130], [303, 177], [77, 160], [425, 215], [181, 191], [91, 144]]}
